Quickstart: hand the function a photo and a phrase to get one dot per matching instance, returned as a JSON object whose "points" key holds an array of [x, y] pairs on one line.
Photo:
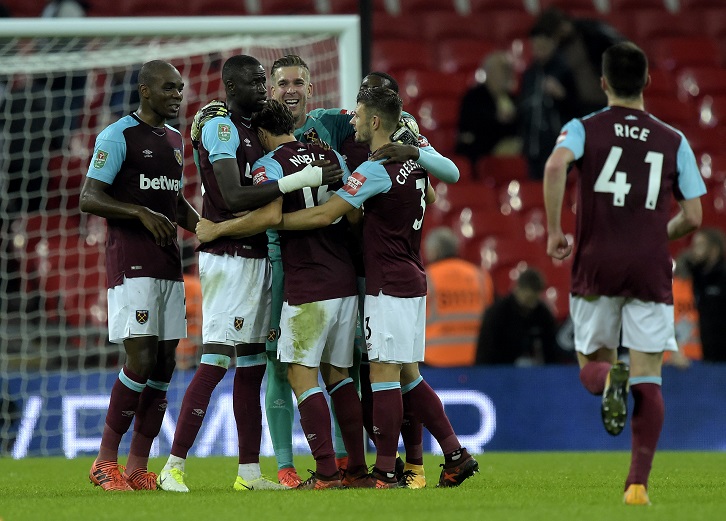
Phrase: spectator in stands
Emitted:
{"points": [[581, 42], [458, 293], [685, 317], [519, 328], [547, 99], [705, 261], [488, 114]]}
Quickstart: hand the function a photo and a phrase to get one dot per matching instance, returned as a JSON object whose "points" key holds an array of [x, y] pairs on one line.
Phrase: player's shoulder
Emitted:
{"points": [[372, 168], [321, 113], [115, 131], [219, 128], [171, 129]]}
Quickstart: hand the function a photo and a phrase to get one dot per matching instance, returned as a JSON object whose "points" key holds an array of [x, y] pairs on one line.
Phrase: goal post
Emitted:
{"points": [[61, 82]]}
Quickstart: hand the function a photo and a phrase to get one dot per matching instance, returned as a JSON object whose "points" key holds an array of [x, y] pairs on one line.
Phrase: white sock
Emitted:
{"points": [[249, 471], [175, 462]]}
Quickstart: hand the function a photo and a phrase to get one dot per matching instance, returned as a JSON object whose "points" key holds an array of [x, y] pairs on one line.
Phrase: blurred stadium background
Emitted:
{"points": [[55, 360]]}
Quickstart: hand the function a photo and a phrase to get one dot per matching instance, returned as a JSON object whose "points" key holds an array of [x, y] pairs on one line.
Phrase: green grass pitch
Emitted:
{"points": [[509, 486]]}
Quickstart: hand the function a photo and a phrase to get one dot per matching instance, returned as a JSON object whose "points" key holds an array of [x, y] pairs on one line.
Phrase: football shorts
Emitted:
{"points": [[143, 306], [236, 293], [395, 328], [647, 327]]}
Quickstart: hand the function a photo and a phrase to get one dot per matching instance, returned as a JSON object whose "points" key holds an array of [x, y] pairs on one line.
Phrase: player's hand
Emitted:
{"points": [[557, 246], [395, 153], [332, 173], [159, 225], [206, 230], [211, 110], [407, 131]]}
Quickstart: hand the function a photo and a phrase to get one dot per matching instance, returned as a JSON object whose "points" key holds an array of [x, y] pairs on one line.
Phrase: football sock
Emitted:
{"points": [[345, 398], [246, 403], [338, 441], [366, 400], [121, 410], [196, 401], [149, 417], [646, 425], [280, 411], [315, 422], [411, 433], [249, 471], [387, 419], [593, 376], [175, 462], [426, 407]]}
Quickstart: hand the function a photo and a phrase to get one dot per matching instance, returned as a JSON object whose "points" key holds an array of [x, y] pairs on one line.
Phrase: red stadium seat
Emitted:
{"points": [[627, 5], [102, 8], [24, 8], [686, 5], [268, 7], [500, 170], [713, 22], [497, 251], [522, 196], [652, 23], [662, 83], [455, 197], [489, 222], [669, 110], [418, 85], [386, 26], [505, 26], [351, 6], [435, 113], [155, 8], [416, 8], [488, 6], [713, 169], [696, 82], [462, 54], [584, 8], [439, 26], [705, 140], [443, 139], [217, 7], [395, 56], [712, 111], [678, 52]]}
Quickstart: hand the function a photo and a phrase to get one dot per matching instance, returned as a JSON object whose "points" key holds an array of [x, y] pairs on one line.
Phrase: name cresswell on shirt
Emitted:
{"points": [[354, 183], [159, 183]]}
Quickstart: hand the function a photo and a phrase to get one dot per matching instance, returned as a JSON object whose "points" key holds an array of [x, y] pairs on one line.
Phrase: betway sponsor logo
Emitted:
{"points": [[158, 183]]}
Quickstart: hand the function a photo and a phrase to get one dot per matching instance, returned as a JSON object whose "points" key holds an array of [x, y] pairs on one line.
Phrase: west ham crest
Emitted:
{"points": [[238, 323], [142, 316], [178, 156]]}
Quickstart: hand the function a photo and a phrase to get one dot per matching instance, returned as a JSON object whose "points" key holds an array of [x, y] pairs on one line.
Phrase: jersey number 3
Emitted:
{"points": [[620, 187]]}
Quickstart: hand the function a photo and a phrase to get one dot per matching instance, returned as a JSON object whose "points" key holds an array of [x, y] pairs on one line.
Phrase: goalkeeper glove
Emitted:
{"points": [[407, 131], [211, 110]]}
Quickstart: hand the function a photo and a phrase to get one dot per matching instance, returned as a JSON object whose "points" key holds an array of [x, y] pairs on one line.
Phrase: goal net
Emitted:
{"points": [[61, 82]]}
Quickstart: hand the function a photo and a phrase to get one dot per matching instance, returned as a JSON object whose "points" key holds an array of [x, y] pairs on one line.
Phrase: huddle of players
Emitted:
{"points": [[319, 303], [319, 309]]}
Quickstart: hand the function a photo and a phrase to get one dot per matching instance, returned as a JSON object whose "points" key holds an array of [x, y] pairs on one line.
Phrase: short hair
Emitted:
{"points": [[384, 102], [290, 60], [275, 117], [532, 279], [625, 68], [441, 243], [392, 83], [150, 69], [236, 64]]}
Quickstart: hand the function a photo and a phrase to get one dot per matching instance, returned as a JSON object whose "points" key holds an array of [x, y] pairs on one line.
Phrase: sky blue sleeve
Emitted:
{"points": [[437, 165], [220, 138], [109, 153], [690, 181], [572, 137], [369, 179], [272, 170], [346, 171]]}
